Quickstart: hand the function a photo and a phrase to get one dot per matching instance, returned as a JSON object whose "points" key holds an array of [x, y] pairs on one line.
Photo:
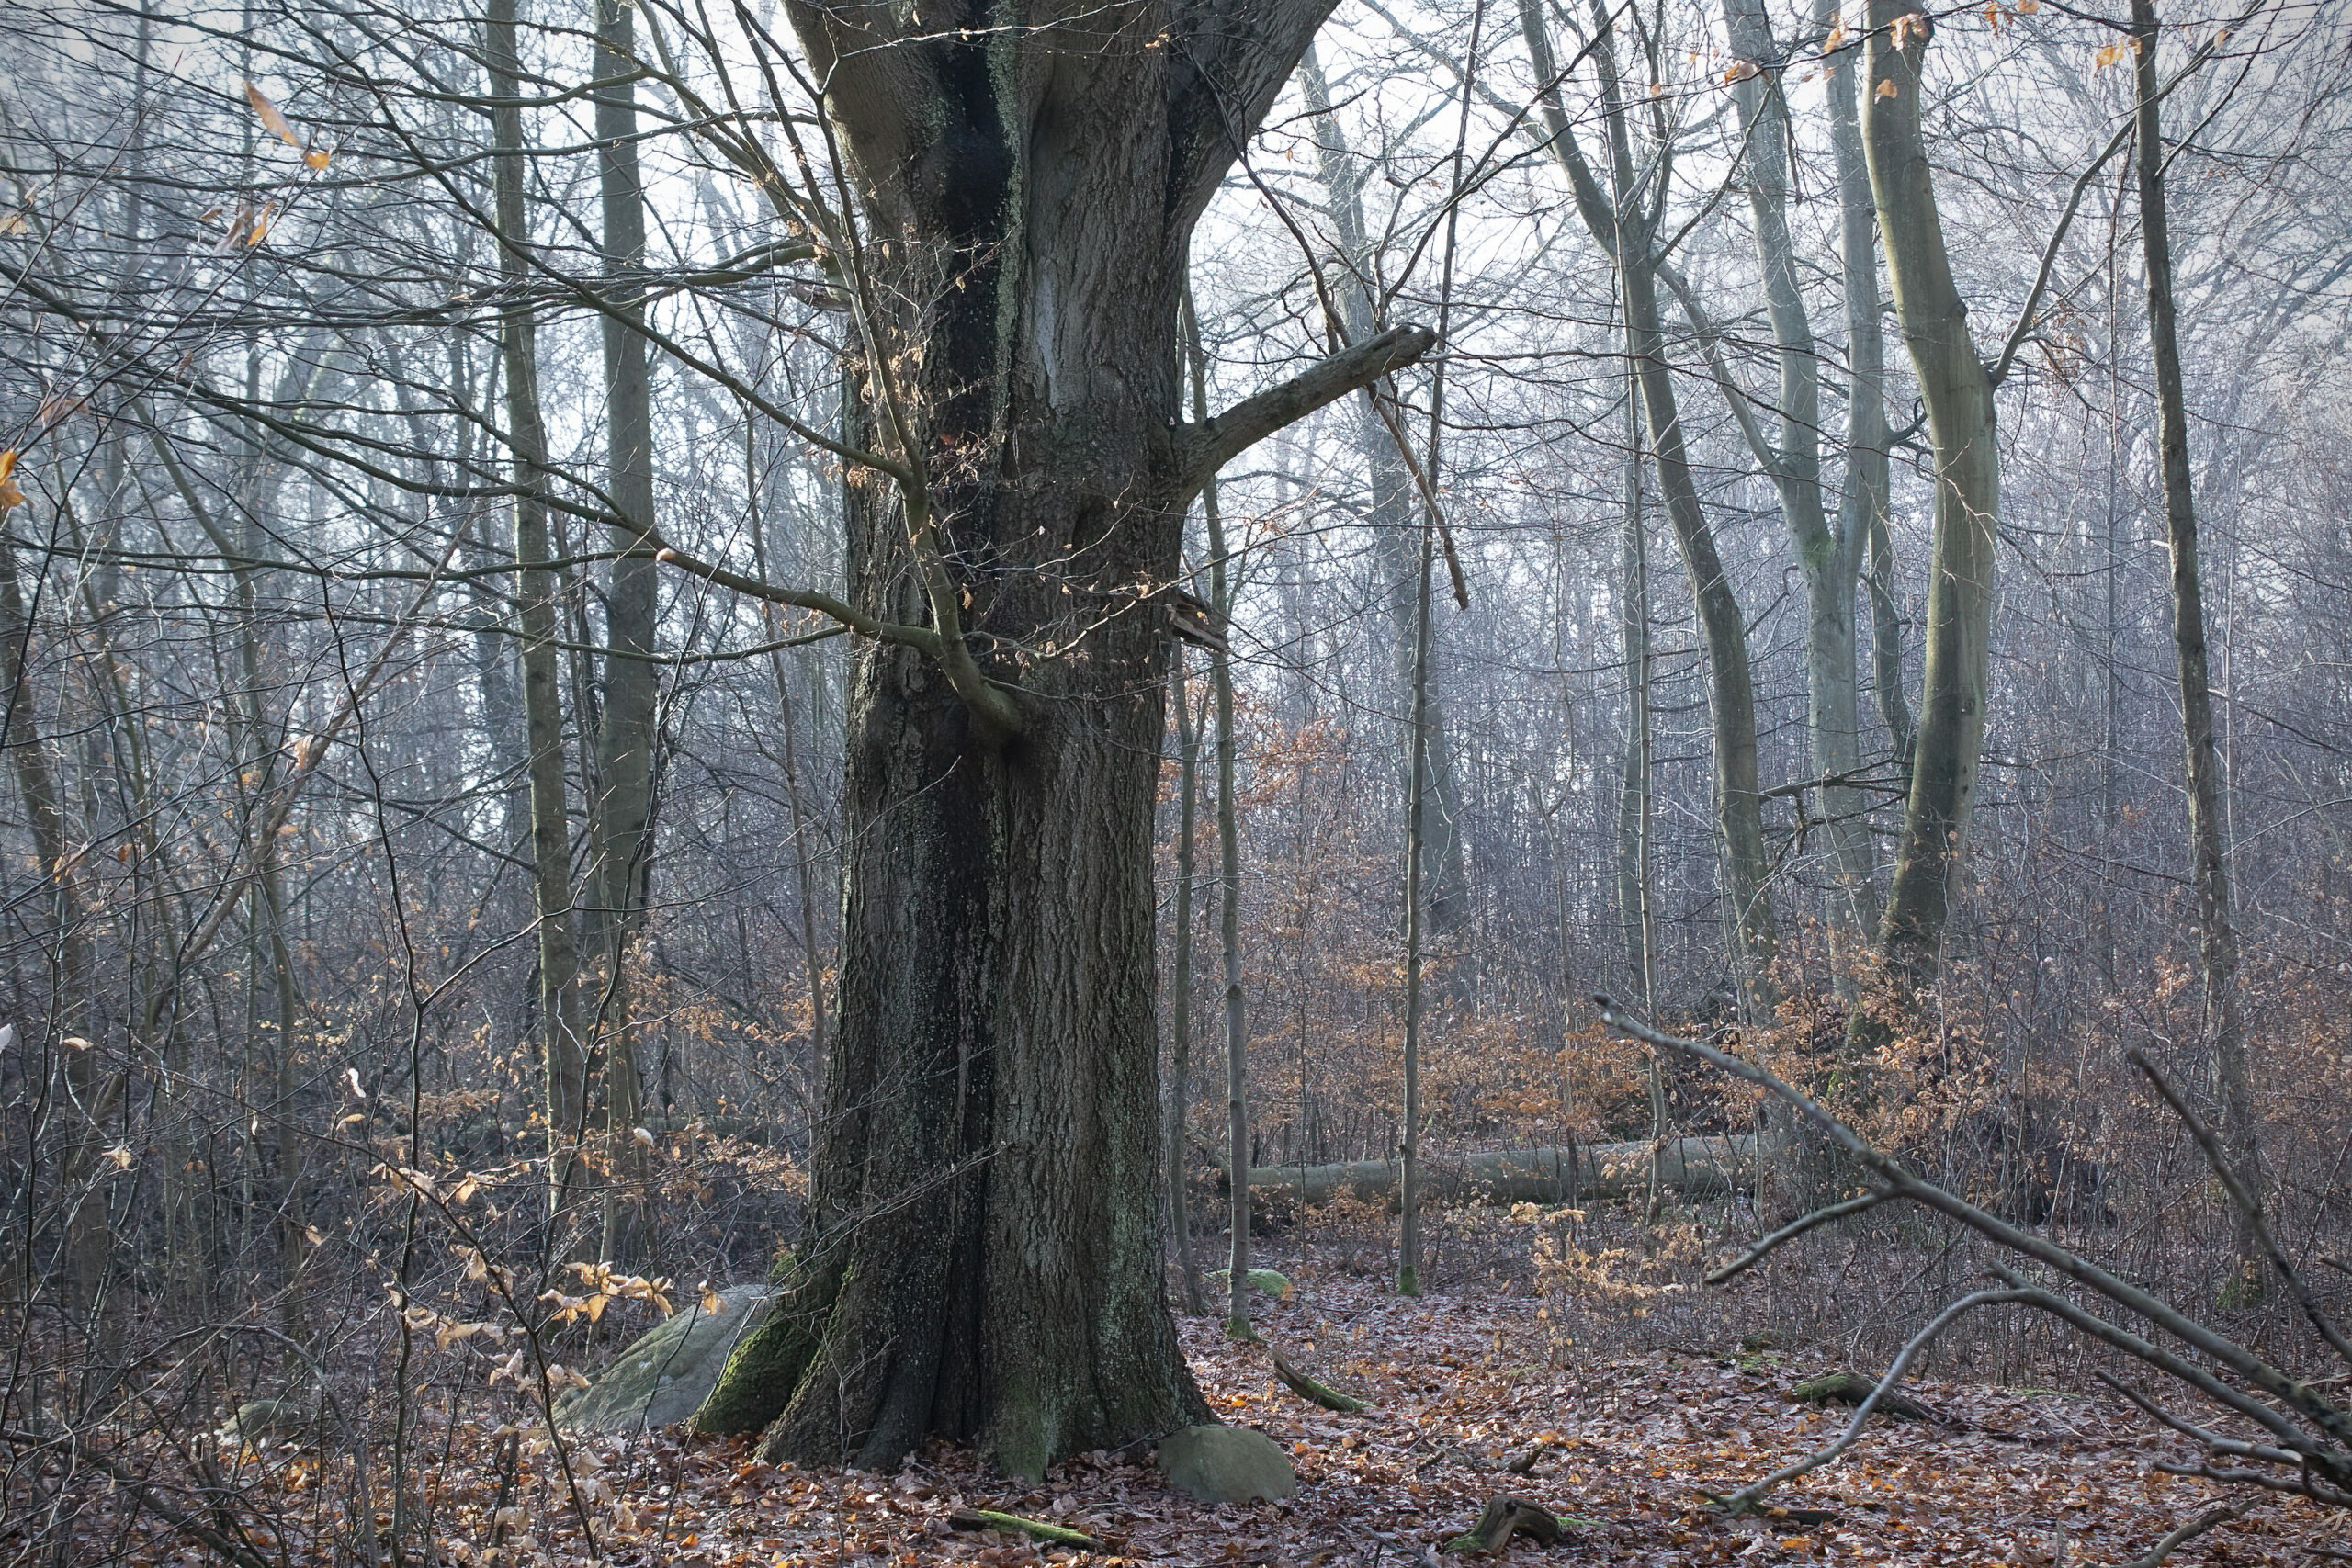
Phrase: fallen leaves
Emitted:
{"points": [[1619, 1451]]}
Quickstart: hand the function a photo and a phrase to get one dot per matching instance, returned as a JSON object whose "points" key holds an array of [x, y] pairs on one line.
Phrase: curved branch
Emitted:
{"points": [[1794, 1229], [921, 638]]}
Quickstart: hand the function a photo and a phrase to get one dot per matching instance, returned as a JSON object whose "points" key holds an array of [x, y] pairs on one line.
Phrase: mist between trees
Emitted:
{"points": [[646, 644]]}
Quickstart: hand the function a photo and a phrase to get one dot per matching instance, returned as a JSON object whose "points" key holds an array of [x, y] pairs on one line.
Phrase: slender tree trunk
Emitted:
{"points": [[1633, 786], [1180, 1021], [2208, 828], [1958, 392], [1409, 1145], [621, 811], [1862, 497], [1228, 915], [560, 1024], [1394, 519], [1626, 229], [811, 953], [78, 1085]]}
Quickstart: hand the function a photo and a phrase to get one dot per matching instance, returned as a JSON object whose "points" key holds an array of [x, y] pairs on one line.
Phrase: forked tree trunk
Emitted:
{"points": [[982, 1257], [1623, 221], [1958, 391]]}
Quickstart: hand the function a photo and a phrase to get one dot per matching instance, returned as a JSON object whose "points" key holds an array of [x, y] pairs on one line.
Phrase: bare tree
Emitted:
{"points": [[2208, 821]]}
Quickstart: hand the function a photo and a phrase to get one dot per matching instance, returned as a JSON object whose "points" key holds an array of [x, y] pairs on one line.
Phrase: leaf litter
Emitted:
{"points": [[1470, 1407]]}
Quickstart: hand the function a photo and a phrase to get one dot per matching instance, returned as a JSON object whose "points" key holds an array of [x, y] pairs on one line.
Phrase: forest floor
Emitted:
{"points": [[1458, 1380]]}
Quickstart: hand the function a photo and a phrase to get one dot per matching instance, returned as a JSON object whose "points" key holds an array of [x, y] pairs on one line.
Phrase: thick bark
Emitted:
{"points": [[1394, 520], [621, 810], [982, 1257], [2207, 829], [561, 1048], [1625, 226], [1958, 391]]}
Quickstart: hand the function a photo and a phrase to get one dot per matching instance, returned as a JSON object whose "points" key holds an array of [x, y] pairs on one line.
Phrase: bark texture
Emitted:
{"points": [[982, 1256]]}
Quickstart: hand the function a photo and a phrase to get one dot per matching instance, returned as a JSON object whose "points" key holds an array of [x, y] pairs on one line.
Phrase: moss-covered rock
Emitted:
{"points": [[663, 1377], [1227, 1464], [1266, 1282]]}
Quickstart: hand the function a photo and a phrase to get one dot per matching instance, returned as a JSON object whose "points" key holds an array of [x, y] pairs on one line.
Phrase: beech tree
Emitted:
{"points": [[981, 1257]]}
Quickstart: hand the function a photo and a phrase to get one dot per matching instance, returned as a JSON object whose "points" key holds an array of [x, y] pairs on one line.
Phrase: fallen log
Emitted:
{"points": [[1035, 1529], [1503, 1518], [1696, 1167]]}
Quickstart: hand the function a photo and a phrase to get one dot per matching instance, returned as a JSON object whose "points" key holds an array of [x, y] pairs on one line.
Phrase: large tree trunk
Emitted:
{"points": [[982, 1256], [2208, 830], [1958, 392]]}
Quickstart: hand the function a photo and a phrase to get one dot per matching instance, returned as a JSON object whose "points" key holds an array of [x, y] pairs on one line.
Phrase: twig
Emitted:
{"points": [[1307, 1388], [2214, 1441], [188, 1524], [2300, 1396], [1792, 1230], [1036, 1529]]}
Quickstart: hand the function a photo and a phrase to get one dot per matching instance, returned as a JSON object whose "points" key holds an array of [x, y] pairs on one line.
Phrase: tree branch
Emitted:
{"points": [[1203, 447], [2184, 1534], [2302, 1398]]}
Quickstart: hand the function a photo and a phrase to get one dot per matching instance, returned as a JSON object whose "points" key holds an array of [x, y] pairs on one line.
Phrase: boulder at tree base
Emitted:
{"points": [[663, 1379], [1227, 1464]]}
